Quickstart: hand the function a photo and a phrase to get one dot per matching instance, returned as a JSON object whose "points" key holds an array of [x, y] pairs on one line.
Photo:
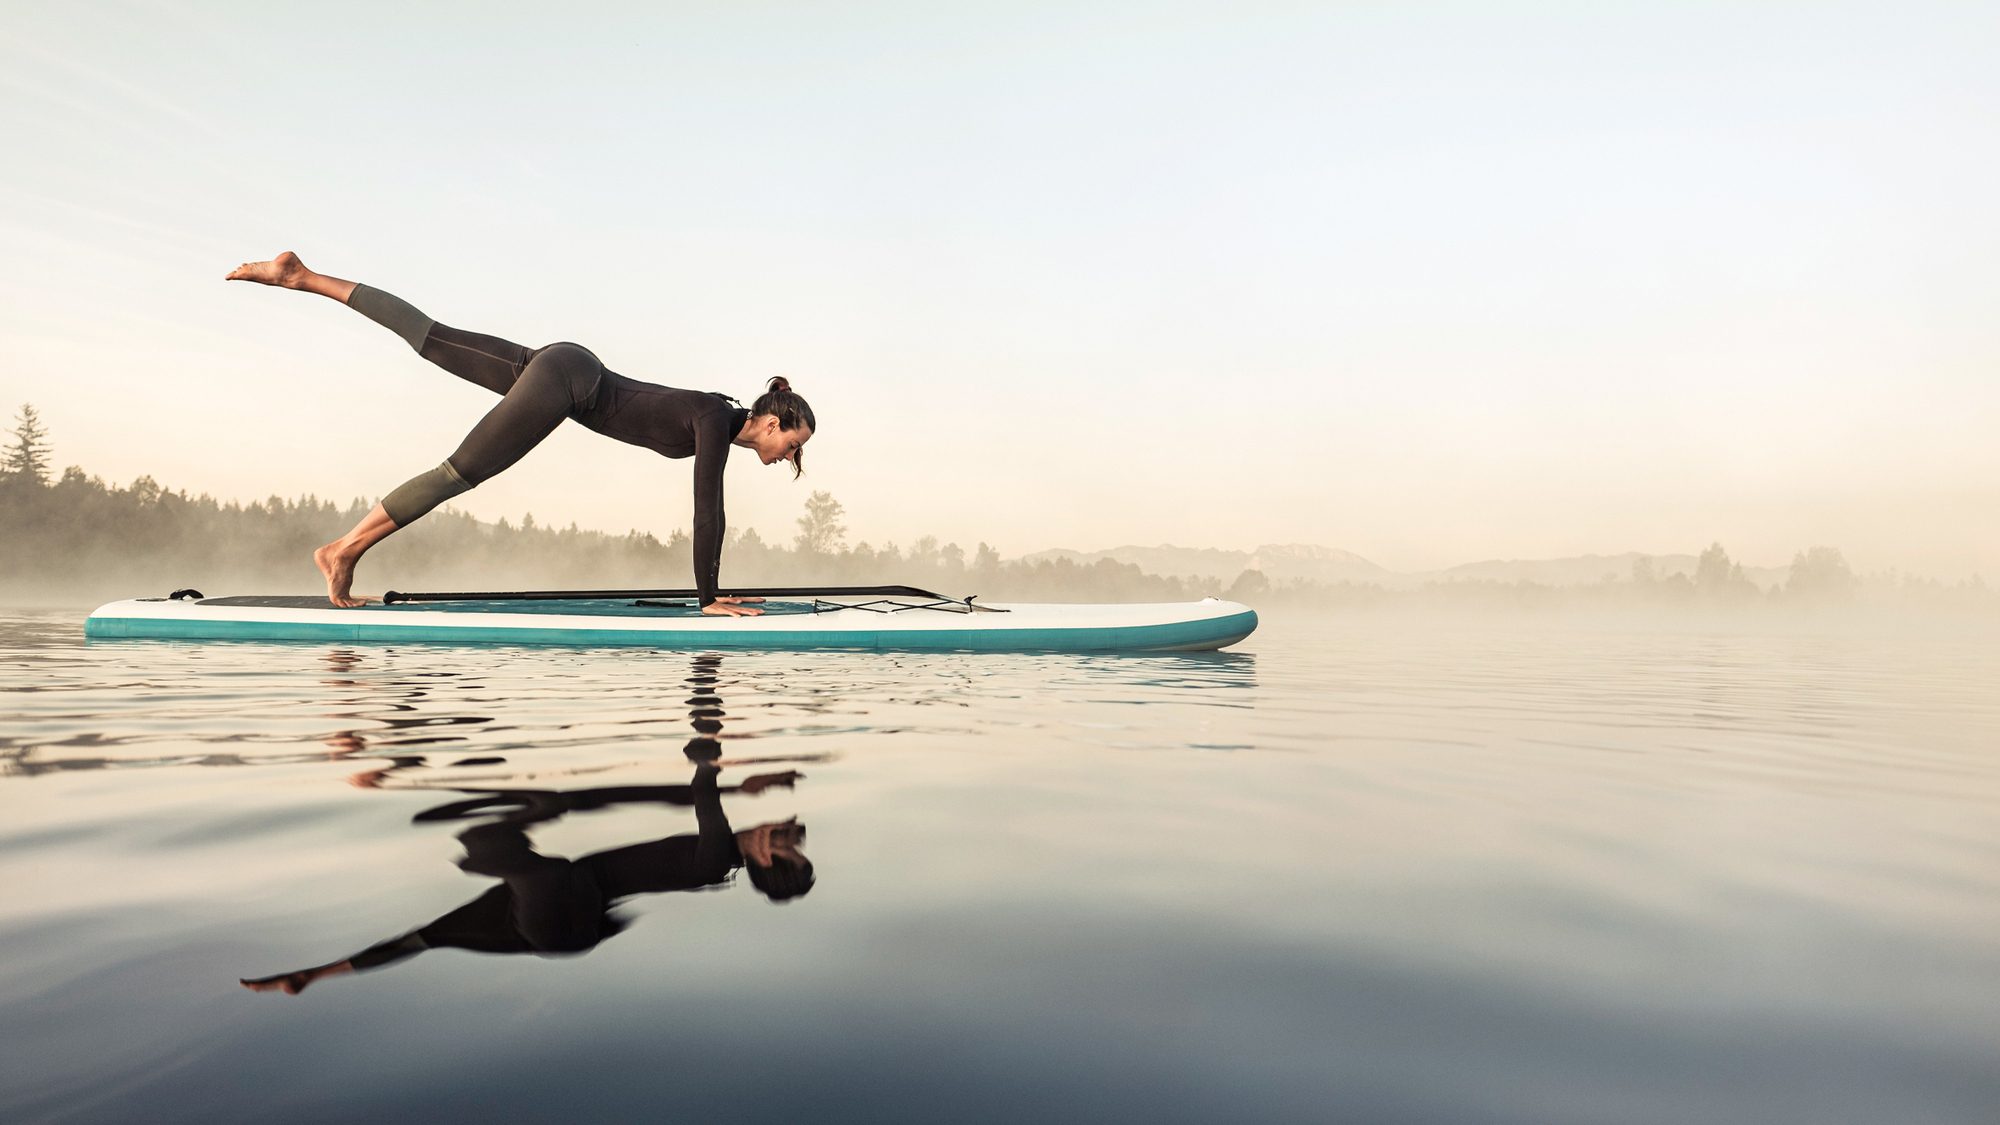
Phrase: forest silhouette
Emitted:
{"points": [[73, 536]]}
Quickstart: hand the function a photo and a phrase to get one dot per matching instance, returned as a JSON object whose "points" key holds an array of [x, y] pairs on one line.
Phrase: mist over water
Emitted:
{"points": [[1361, 868], [77, 540], [1594, 401]]}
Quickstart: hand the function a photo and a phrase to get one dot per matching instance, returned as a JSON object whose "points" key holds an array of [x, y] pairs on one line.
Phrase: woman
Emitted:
{"points": [[538, 388]]}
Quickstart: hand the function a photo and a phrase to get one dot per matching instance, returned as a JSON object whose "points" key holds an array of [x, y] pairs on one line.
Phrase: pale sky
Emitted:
{"points": [[1427, 282]]}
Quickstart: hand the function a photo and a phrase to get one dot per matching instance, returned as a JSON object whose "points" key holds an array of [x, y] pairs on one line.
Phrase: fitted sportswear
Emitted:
{"points": [[538, 389]]}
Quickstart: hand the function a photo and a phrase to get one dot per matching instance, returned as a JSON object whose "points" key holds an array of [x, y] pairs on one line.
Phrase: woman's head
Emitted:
{"points": [[780, 425], [788, 877]]}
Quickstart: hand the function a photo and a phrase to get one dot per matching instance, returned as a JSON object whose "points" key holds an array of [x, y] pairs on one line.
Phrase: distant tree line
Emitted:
{"points": [[1818, 578], [74, 535]]}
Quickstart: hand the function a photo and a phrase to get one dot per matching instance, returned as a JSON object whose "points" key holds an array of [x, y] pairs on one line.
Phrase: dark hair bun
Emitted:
{"points": [[780, 383]]}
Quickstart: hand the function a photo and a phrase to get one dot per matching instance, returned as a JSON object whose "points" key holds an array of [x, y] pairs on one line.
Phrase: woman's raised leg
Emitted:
{"points": [[486, 361], [538, 390]]}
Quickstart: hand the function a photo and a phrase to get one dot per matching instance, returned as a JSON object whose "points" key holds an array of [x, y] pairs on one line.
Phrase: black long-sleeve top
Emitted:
{"points": [[677, 423]]}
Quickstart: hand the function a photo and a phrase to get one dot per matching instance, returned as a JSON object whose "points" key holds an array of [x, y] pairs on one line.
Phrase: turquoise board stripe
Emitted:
{"points": [[1210, 633]]}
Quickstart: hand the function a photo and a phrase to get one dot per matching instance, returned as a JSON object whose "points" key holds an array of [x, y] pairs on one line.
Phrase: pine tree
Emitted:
{"points": [[28, 457], [1821, 574], [820, 529]]}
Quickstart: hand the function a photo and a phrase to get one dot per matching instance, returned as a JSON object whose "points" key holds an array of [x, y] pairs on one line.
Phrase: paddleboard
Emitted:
{"points": [[853, 618]]}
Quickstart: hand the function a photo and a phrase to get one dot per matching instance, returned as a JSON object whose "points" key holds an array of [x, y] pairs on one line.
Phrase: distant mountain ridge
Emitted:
{"points": [[1277, 561], [1285, 562]]}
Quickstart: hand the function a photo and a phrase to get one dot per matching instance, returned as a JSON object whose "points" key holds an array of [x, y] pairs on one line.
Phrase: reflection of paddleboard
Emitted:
{"points": [[880, 617]]}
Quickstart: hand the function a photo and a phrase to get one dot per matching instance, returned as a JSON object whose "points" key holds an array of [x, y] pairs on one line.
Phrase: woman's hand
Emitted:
{"points": [[733, 607], [760, 782]]}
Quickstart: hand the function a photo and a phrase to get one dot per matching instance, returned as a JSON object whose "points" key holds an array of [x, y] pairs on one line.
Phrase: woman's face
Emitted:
{"points": [[773, 444], [768, 843]]}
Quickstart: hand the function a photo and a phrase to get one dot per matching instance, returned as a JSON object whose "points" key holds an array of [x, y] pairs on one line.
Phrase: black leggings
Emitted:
{"points": [[538, 388]]}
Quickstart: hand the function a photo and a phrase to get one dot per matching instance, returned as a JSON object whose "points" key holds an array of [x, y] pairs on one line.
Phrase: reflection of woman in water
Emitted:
{"points": [[547, 904]]}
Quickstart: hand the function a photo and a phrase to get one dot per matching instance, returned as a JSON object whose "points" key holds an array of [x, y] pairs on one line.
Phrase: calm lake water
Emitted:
{"points": [[1352, 871]]}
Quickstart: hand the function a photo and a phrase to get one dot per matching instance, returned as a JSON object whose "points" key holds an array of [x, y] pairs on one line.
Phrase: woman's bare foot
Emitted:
{"points": [[338, 569], [336, 560], [284, 271], [291, 984]]}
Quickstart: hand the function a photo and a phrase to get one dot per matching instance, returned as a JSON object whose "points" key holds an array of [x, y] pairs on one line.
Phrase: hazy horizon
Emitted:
{"points": [[1321, 565], [1431, 285]]}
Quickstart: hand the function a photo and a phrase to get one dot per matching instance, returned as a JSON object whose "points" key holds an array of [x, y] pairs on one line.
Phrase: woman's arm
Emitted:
{"points": [[711, 455]]}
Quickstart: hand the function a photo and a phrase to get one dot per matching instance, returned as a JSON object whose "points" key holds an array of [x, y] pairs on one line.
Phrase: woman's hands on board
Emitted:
{"points": [[733, 607]]}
